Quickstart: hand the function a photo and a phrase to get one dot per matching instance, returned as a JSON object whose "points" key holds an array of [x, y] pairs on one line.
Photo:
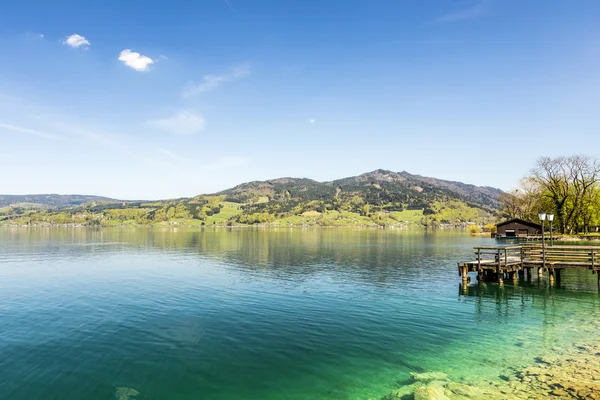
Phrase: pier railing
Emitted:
{"points": [[498, 262], [584, 256], [490, 255]]}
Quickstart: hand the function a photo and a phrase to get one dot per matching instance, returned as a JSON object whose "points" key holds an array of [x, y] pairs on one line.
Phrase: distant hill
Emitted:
{"points": [[377, 198], [51, 200]]}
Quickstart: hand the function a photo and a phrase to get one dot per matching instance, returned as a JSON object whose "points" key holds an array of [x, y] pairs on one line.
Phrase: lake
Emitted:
{"points": [[262, 313]]}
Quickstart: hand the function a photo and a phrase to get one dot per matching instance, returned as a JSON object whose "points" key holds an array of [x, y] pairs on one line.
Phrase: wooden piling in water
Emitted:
{"points": [[465, 273]]}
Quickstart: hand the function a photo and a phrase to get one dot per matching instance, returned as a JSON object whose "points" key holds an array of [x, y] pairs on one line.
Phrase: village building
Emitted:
{"points": [[518, 228]]}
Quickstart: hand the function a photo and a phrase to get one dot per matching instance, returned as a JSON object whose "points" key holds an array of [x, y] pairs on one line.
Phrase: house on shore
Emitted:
{"points": [[518, 228]]}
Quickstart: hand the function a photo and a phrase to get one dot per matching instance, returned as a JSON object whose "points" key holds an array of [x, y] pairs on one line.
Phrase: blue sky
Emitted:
{"points": [[156, 99]]}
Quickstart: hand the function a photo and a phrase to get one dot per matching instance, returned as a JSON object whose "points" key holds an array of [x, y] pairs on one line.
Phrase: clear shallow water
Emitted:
{"points": [[262, 314]]}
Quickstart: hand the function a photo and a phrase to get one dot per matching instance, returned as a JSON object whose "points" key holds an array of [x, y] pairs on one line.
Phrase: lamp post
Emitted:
{"points": [[550, 218], [542, 217]]}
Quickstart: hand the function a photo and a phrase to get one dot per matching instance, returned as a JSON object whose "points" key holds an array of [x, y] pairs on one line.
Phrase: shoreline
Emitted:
{"points": [[563, 239], [231, 226]]}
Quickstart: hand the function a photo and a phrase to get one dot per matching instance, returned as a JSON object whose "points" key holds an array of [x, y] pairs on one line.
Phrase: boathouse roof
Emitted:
{"points": [[521, 222]]}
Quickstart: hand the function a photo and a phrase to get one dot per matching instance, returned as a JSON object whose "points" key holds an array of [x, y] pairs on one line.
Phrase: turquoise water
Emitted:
{"points": [[262, 314]]}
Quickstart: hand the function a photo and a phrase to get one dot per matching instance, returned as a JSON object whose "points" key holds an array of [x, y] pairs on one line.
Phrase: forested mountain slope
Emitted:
{"points": [[375, 198]]}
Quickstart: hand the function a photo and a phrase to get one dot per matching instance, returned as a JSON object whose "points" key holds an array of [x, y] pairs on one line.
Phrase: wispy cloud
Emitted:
{"points": [[91, 134], [34, 35], [230, 6], [311, 121], [173, 159], [27, 131], [135, 60], [172, 156], [473, 10], [76, 41], [227, 162], [185, 122], [6, 156], [210, 82]]}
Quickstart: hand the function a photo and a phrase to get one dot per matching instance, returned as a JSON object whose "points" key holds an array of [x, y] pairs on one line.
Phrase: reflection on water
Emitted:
{"points": [[260, 313]]}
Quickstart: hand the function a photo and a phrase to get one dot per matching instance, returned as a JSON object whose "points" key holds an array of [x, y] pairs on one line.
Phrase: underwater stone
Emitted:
{"points": [[430, 393], [402, 392], [459, 389], [125, 393]]}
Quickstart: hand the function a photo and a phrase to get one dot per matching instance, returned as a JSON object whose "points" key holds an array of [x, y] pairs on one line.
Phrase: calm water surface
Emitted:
{"points": [[261, 314]]}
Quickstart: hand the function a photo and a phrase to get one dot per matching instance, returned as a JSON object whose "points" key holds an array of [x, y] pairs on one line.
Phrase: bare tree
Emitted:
{"points": [[523, 202], [566, 184]]}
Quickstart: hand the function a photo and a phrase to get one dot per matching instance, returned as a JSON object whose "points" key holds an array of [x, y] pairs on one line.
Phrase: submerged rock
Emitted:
{"points": [[572, 373], [454, 390], [125, 393], [430, 392], [403, 392], [428, 376]]}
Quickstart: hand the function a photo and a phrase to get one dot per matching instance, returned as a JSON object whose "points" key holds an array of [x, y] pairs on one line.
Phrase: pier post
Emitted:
{"points": [[499, 273], [540, 269], [551, 276], [528, 269], [522, 255], [558, 277], [515, 276], [465, 273]]}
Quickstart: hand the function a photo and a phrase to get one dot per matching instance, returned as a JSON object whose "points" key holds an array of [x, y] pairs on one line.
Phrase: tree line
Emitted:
{"points": [[567, 187]]}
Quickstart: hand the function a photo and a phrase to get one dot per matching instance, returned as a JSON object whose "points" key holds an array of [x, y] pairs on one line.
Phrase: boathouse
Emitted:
{"points": [[518, 228]]}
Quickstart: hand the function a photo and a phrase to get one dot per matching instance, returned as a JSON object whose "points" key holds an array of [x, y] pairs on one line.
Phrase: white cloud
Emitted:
{"points": [[6, 156], [135, 60], [183, 123], [76, 41], [312, 121], [27, 131], [210, 82], [476, 9]]}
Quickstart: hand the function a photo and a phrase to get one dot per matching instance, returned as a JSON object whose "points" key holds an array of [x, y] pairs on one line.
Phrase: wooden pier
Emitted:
{"points": [[508, 262]]}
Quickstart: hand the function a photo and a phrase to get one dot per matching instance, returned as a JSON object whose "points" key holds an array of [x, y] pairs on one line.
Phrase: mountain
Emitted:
{"points": [[484, 195], [381, 197], [51, 200], [380, 188]]}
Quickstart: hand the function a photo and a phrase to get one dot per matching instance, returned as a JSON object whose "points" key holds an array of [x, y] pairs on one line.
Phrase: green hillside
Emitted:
{"points": [[378, 198]]}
